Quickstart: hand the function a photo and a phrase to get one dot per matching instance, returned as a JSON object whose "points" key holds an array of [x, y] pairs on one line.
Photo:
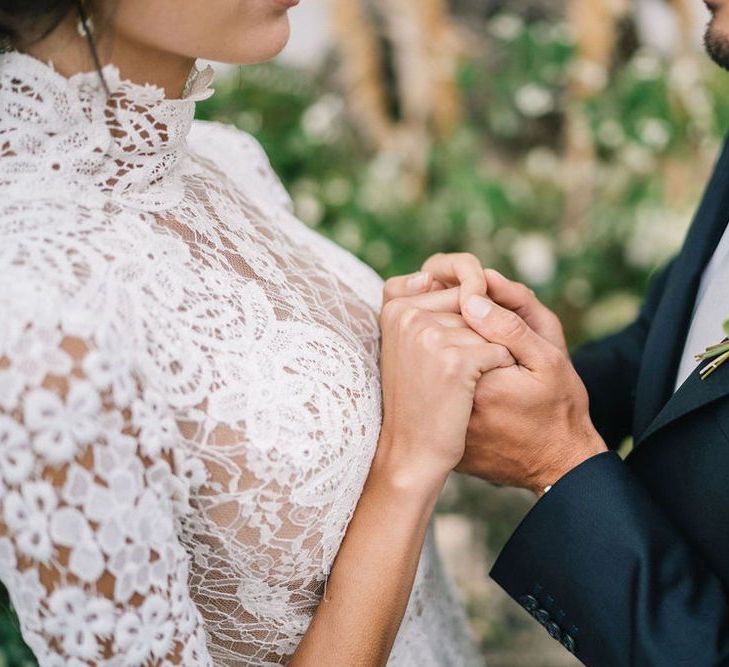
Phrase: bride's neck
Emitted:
{"points": [[70, 53]]}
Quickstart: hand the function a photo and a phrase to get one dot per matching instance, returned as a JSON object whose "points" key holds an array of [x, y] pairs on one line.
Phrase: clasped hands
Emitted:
{"points": [[529, 421]]}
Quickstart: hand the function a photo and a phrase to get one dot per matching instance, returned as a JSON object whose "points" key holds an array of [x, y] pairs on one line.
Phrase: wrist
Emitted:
{"points": [[405, 476], [576, 455]]}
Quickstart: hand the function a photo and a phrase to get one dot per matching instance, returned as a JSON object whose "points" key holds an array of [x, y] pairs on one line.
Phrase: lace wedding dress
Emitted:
{"points": [[189, 388]]}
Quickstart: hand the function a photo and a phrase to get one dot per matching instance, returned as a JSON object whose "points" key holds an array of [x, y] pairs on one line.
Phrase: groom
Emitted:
{"points": [[624, 563]]}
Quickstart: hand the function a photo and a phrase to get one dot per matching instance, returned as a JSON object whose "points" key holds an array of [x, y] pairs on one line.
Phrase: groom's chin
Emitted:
{"points": [[716, 41]]}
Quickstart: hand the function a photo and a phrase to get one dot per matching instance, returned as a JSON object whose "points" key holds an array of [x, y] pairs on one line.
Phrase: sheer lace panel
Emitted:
{"points": [[191, 374]]}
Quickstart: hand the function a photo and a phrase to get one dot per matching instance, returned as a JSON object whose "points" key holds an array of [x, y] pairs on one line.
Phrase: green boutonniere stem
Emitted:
{"points": [[719, 353]]}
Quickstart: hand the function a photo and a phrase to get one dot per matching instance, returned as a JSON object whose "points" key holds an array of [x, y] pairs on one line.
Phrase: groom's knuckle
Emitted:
{"points": [[503, 356], [510, 325], [553, 359]]}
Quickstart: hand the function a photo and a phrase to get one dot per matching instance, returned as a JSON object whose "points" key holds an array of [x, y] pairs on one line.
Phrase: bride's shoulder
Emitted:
{"points": [[240, 156]]}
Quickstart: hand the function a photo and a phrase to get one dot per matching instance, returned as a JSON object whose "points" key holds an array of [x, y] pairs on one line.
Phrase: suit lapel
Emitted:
{"points": [[693, 394], [667, 335]]}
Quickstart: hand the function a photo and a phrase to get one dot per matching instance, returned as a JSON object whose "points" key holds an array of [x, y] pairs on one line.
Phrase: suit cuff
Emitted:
{"points": [[538, 565]]}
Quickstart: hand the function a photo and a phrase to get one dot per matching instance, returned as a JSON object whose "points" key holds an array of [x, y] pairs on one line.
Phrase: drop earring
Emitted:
{"points": [[85, 24]]}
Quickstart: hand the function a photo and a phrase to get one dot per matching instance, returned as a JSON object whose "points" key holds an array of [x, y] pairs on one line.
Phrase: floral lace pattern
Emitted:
{"points": [[189, 389]]}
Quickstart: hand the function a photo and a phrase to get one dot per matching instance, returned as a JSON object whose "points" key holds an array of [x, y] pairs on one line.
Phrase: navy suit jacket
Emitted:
{"points": [[627, 563]]}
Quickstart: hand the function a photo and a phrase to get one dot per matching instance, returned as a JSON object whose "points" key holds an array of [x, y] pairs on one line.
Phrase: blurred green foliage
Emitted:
{"points": [[498, 186]]}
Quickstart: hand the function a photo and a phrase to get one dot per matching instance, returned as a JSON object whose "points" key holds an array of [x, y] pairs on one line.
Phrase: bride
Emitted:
{"points": [[214, 448]]}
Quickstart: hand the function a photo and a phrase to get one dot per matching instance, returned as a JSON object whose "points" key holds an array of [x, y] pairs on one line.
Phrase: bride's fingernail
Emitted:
{"points": [[478, 307], [418, 280]]}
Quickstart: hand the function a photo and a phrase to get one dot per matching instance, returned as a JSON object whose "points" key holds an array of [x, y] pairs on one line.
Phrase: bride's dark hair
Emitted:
{"points": [[25, 21]]}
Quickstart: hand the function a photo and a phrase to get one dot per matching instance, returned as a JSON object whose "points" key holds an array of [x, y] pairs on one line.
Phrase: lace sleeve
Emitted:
{"points": [[88, 506], [242, 158]]}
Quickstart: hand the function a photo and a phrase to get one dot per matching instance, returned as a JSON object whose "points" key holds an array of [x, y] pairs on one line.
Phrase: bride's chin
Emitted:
{"points": [[266, 44]]}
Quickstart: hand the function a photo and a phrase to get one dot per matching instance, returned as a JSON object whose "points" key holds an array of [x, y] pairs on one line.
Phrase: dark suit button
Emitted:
{"points": [[541, 615], [529, 602], [554, 630], [568, 642]]}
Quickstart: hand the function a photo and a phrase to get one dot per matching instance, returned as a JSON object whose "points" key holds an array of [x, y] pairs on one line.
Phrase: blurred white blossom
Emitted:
{"points": [[589, 73], [506, 26], [349, 235], [611, 313], [308, 208], [319, 120], [646, 65], [638, 159], [655, 237], [543, 163], [611, 133], [655, 132], [534, 258], [378, 253], [534, 100]]}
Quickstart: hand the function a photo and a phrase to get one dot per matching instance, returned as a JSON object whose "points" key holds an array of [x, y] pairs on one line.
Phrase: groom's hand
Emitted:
{"points": [[530, 422]]}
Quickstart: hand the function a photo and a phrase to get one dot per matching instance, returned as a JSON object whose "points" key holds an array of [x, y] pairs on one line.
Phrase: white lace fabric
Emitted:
{"points": [[189, 389]]}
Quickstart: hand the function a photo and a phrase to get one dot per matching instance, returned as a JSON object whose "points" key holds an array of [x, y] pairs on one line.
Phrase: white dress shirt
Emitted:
{"points": [[711, 310]]}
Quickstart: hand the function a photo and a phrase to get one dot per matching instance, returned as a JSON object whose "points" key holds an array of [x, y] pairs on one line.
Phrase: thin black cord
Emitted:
{"points": [[84, 18]]}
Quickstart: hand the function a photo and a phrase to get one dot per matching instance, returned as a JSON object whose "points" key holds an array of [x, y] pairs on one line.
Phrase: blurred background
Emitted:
{"points": [[564, 142]]}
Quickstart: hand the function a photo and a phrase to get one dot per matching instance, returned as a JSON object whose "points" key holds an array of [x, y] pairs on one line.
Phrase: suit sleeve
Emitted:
{"points": [[600, 567], [609, 368]]}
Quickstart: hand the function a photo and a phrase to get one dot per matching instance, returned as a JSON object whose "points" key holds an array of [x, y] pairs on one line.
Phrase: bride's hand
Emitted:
{"points": [[431, 363], [439, 272]]}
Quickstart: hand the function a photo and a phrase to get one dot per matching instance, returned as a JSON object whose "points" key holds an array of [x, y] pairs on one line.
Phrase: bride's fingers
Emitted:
{"points": [[409, 285], [451, 321], [462, 269], [441, 301], [487, 356]]}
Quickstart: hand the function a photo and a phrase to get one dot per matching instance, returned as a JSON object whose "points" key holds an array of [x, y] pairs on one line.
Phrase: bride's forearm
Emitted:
{"points": [[370, 582]]}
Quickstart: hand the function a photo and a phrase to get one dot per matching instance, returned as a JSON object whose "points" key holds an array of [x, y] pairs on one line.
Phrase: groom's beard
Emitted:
{"points": [[717, 44]]}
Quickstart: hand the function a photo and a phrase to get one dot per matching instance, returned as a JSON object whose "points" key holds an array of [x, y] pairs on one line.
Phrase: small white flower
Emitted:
{"points": [[8, 561], [11, 387], [69, 528], [106, 373], [26, 514], [157, 429], [149, 632], [79, 620], [38, 354], [190, 468], [59, 429], [130, 566], [16, 458]]}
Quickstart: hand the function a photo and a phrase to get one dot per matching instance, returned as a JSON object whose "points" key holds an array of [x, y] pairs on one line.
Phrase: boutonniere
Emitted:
{"points": [[718, 353]]}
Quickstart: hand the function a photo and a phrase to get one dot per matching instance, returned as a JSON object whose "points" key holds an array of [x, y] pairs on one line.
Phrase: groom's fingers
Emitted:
{"points": [[519, 298], [504, 327]]}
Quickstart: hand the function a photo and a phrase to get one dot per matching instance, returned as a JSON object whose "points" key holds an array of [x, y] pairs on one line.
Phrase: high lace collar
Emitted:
{"points": [[58, 132]]}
